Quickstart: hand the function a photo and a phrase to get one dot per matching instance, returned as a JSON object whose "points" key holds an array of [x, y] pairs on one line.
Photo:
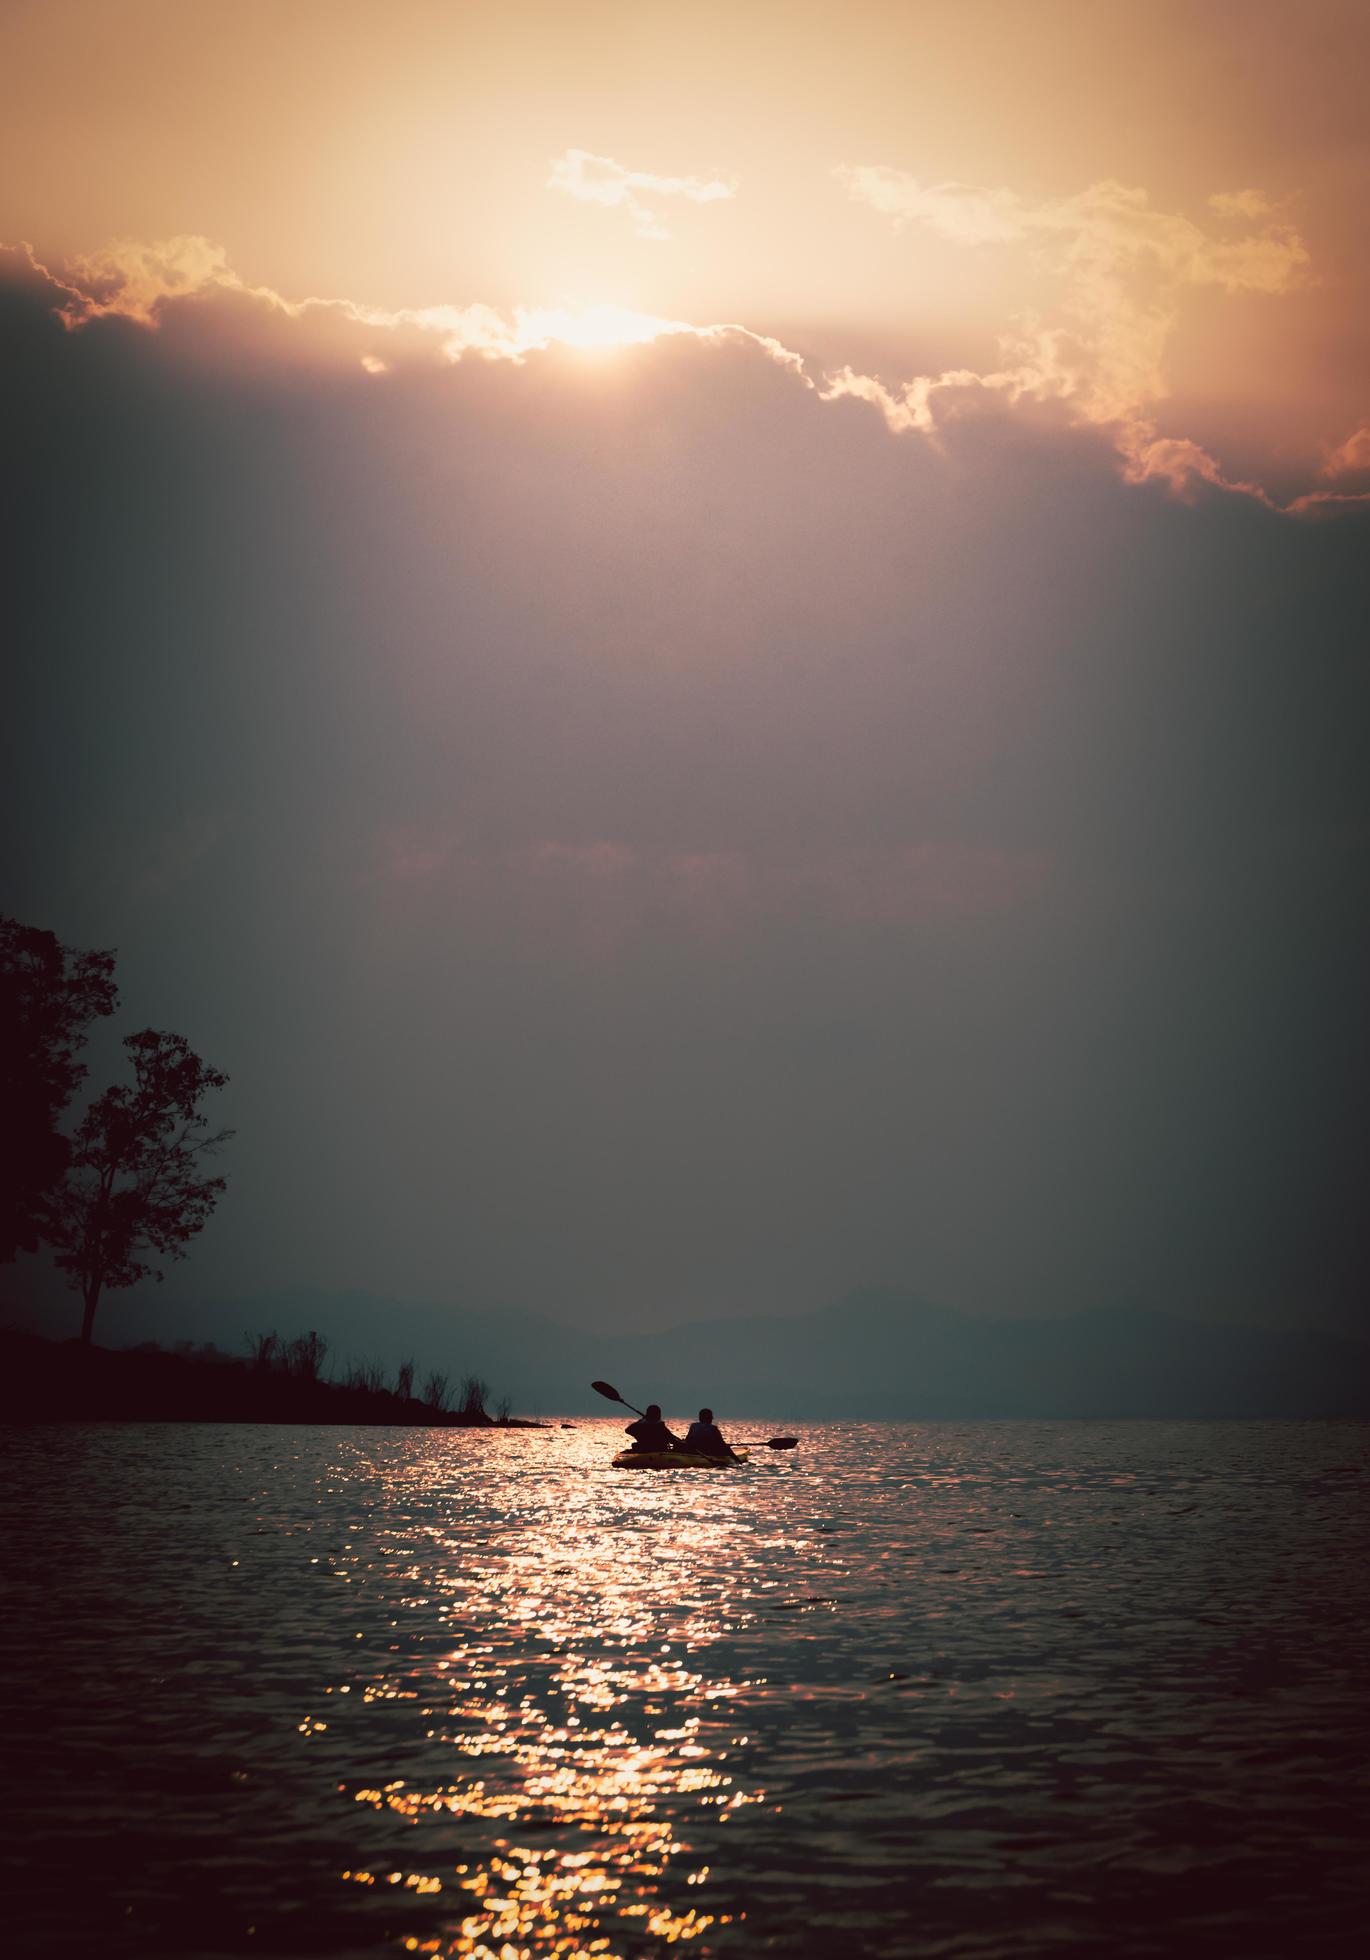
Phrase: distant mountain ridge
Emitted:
{"points": [[873, 1355]]}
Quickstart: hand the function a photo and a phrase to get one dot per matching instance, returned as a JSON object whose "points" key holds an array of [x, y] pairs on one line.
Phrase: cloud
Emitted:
{"points": [[1097, 362], [1120, 268], [1180, 463], [1240, 204], [1351, 457], [133, 279], [602, 894], [599, 180], [140, 282], [1347, 468], [974, 217], [682, 814], [1108, 228]]}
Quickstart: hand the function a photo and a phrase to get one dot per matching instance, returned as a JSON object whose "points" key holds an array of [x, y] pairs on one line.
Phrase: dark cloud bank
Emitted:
{"points": [[650, 846]]}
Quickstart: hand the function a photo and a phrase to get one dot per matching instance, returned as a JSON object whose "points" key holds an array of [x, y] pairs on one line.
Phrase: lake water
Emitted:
{"points": [[974, 1690]]}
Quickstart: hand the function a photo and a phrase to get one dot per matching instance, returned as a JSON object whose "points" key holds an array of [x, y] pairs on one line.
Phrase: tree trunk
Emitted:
{"points": [[92, 1299]]}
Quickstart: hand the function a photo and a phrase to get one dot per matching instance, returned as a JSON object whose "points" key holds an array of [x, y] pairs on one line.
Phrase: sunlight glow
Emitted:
{"points": [[593, 327]]}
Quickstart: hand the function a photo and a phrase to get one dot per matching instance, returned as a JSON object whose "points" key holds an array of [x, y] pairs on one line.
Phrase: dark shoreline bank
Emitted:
{"points": [[64, 1381]]}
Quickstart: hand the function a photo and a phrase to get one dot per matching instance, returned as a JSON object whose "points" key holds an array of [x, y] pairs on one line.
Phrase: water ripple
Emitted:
{"points": [[979, 1689]]}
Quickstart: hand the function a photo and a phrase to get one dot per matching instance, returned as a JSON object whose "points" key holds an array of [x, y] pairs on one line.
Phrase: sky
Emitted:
{"points": [[719, 654]]}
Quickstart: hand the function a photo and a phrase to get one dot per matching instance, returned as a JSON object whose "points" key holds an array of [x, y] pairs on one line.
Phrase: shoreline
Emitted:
{"points": [[42, 1380]]}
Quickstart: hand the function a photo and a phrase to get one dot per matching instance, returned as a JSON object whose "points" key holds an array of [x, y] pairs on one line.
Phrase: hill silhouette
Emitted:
{"points": [[874, 1354]]}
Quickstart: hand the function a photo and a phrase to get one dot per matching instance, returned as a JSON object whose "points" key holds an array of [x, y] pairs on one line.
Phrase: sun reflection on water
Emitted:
{"points": [[573, 1733]]}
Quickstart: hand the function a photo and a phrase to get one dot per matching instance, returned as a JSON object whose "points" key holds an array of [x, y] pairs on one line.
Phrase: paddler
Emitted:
{"points": [[649, 1432], [705, 1440]]}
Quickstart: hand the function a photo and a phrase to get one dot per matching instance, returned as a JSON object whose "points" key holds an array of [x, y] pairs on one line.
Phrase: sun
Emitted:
{"points": [[594, 329]]}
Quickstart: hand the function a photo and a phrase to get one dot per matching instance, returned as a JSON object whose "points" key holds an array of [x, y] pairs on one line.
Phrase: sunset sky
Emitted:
{"points": [[718, 652]]}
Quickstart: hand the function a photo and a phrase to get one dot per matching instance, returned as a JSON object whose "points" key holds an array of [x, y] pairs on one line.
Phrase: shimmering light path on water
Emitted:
{"points": [[980, 1689]]}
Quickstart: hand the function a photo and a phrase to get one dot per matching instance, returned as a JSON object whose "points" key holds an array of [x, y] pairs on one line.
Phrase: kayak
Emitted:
{"points": [[672, 1460]]}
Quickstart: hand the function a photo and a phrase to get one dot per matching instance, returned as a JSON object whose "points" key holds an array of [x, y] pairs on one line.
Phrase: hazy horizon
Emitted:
{"points": [[875, 1355], [34, 1297]]}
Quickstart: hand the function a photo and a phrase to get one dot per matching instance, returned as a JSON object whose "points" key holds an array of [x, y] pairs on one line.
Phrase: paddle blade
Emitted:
{"points": [[782, 1443], [608, 1390]]}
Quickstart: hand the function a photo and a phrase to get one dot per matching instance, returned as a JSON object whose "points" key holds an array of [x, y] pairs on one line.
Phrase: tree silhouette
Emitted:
{"points": [[473, 1391], [49, 995], [133, 1189]]}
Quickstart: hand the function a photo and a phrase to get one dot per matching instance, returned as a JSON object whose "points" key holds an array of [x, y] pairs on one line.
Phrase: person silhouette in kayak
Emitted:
{"points": [[705, 1440], [649, 1432]]}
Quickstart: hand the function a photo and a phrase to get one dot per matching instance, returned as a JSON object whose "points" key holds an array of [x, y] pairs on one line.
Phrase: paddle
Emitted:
{"points": [[611, 1394], [782, 1442]]}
